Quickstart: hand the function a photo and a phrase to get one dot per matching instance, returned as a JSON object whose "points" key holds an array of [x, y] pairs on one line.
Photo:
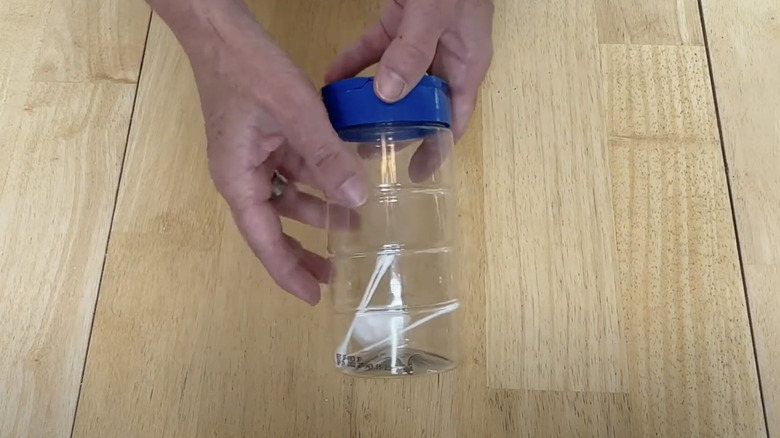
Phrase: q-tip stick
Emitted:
{"points": [[383, 262]]}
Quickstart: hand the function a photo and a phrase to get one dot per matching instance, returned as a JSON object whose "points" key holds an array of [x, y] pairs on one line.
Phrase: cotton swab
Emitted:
{"points": [[396, 325], [383, 263], [443, 311]]}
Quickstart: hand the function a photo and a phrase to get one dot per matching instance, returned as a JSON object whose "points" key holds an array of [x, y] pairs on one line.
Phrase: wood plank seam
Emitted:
{"points": [[210, 368], [722, 141], [686, 264], [111, 224]]}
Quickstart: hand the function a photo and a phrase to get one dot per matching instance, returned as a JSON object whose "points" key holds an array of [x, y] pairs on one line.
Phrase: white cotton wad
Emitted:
{"points": [[374, 327], [364, 326]]}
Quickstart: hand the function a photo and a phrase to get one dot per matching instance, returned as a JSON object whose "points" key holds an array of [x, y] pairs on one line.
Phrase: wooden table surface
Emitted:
{"points": [[620, 184]]}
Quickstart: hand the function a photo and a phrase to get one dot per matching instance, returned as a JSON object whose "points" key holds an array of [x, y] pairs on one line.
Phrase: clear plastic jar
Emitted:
{"points": [[393, 286]]}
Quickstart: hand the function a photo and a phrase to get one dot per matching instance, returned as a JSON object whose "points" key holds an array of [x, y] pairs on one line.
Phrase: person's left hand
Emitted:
{"points": [[450, 38]]}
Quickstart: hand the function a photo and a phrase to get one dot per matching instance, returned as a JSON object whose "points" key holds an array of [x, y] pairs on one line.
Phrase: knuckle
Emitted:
{"points": [[412, 54], [323, 156]]}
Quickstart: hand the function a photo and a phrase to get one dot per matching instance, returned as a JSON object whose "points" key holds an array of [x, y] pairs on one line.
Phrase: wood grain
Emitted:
{"points": [[55, 212], [23, 26], [93, 40], [176, 228], [20, 35], [11, 114], [218, 342], [61, 146], [660, 22], [20, 39], [692, 366], [762, 281], [179, 199], [551, 268], [558, 414], [744, 43], [598, 262]]}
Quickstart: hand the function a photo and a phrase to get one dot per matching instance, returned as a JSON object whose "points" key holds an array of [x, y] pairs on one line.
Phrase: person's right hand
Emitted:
{"points": [[450, 38], [263, 115]]}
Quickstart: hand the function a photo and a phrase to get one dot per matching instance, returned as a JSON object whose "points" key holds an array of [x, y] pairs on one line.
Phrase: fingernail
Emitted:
{"points": [[390, 85], [353, 191]]}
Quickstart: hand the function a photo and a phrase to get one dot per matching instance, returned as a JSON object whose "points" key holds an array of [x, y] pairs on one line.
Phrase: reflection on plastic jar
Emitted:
{"points": [[393, 287]]}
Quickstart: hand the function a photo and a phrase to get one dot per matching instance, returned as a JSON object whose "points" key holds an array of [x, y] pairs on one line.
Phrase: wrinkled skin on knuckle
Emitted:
{"points": [[323, 156], [235, 160], [411, 53]]}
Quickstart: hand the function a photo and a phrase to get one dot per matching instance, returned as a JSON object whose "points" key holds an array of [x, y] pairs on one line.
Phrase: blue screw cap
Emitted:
{"points": [[352, 104]]}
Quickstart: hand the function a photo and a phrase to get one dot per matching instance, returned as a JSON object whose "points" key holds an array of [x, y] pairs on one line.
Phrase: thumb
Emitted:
{"points": [[411, 52]]}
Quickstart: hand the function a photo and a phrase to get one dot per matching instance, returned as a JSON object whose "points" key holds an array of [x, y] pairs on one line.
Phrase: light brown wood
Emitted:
{"points": [[551, 264], [93, 40], [214, 355], [212, 341], [58, 197], [661, 22], [744, 39], [692, 366], [23, 27], [599, 267], [20, 35], [61, 145]]}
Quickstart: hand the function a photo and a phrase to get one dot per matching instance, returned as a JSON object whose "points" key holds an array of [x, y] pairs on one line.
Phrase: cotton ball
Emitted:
{"points": [[375, 327]]}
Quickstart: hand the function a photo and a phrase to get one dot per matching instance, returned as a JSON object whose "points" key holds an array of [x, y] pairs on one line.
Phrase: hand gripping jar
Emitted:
{"points": [[393, 286]]}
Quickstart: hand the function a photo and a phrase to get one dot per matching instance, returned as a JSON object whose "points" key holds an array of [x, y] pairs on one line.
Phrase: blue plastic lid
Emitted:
{"points": [[352, 104]]}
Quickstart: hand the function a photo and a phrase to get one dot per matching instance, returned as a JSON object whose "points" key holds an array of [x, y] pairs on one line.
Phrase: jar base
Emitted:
{"points": [[403, 362]]}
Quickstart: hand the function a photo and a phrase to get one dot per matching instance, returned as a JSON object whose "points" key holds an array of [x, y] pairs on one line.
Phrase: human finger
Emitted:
{"points": [[433, 151], [362, 54], [464, 89], [311, 210], [464, 65], [262, 229], [291, 165], [368, 50], [410, 54], [317, 265], [335, 169]]}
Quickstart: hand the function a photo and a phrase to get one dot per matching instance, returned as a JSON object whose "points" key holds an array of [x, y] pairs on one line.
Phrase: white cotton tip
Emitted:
{"points": [[374, 327]]}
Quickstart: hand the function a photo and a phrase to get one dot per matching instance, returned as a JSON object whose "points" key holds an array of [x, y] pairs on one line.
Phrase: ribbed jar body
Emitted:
{"points": [[393, 285]]}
